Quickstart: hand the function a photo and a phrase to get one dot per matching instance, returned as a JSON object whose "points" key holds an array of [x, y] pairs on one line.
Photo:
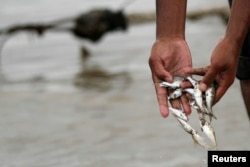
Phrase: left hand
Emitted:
{"points": [[223, 67]]}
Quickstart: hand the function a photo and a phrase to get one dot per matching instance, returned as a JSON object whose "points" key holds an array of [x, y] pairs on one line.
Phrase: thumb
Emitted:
{"points": [[208, 79]]}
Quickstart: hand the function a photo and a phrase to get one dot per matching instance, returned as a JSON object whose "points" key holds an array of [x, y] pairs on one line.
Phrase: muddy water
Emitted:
{"points": [[56, 110]]}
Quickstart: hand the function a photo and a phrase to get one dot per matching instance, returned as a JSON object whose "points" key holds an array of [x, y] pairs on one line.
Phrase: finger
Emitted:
{"points": [[219, 93], [162, 75], [221, 90], [159, 73], [185, 105], [186, 84], [175, 103], [161, 93], [166, 76], [198, 71], [208, 79]]}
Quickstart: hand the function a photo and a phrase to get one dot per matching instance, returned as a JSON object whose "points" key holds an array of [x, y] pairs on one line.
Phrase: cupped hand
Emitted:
{"points": [[169, 58]]}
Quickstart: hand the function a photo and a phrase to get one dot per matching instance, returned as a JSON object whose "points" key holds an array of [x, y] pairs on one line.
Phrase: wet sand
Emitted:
{"points": [[50, 117]]}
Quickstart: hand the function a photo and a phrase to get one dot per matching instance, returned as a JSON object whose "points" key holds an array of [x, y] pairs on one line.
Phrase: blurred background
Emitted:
{"points": [[70, 102]]}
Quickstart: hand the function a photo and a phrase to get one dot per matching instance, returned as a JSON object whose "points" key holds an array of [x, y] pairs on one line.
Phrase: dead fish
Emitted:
{"points": [[200, 141], [173, 85], [178, 114], [210, 93], [208, 130], [197, 94], [187, 127], [175, 94]]}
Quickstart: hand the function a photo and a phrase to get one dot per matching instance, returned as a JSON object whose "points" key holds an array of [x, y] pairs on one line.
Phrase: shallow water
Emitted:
{"points": [[52, 113]]}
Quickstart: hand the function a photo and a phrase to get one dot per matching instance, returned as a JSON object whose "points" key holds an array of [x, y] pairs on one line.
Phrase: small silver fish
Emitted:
{"points": [[197, 94], [209, 114], [178, 114], [195, 136], [200, 141], [210, 93], [189, 91], [175, 94], [173, 85], [192, 81], [190, 94], [208, 130], [187, 127]]}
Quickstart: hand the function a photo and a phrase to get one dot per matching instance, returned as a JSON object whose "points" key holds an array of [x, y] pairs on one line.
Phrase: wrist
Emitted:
{"points": [[233, 41], [170, 36], [230, 47], [174, 38]]}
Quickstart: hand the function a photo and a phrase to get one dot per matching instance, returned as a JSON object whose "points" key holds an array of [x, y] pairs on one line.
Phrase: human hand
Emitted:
{"points": [[169, 57], [223, 66]]}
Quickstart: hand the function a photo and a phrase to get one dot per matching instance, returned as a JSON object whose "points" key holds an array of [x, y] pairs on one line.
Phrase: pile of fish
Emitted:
{"points": [[200, 101]]}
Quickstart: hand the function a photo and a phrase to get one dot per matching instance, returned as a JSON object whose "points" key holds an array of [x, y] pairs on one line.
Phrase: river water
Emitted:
{"points": [[53, 115]]}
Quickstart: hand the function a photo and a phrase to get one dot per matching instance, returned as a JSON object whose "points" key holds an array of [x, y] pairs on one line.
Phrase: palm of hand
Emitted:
{"points": [[171, 56]]}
